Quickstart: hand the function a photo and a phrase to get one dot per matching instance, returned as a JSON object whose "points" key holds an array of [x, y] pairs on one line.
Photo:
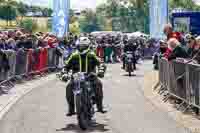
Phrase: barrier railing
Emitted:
{"points": [[20, 64], [180, 80]]}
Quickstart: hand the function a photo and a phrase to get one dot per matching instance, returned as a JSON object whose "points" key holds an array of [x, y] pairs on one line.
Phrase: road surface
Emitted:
{"points": [[43, 110]]}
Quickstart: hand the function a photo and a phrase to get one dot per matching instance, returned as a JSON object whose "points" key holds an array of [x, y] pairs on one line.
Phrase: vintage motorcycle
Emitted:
{"points": [[129, 63], [84, 98]]}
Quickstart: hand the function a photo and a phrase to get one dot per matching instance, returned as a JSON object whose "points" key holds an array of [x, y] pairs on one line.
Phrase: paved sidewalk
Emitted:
{"points": [[20, 90], [188, 119]]}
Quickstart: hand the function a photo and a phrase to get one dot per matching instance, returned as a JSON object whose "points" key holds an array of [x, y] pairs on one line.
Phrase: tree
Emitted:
{"points": [[89, 21], [47, 12], [186, 4], [22, 10], [29, 24], [126, 15], [71, 12], [8, 12]]}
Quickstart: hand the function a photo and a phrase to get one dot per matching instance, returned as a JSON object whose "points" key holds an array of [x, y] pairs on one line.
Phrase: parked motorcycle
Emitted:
{"points": [[84, 98]]}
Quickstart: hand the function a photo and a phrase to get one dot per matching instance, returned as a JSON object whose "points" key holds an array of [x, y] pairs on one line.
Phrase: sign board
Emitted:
{"points": [[158, 17], [182, 24], [60, 17], [186, 22]]}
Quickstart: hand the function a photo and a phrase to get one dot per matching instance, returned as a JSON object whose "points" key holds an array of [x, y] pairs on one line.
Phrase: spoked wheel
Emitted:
{"points": [[82, 117], [129, 69], [129, 73]]}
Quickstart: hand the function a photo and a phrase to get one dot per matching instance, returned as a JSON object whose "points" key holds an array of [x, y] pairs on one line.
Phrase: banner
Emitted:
{"points": [[60, 17], [158, 17]]}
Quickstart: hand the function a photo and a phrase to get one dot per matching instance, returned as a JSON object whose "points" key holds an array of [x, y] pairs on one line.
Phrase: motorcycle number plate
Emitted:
{"points": [[129, 56], [89, 89], [129, 60], [77, 92]]}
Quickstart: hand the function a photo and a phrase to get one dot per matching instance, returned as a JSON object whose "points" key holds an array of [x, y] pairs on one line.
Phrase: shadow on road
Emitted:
{"points": [[96, 127], [127, 75], [133, 75]]}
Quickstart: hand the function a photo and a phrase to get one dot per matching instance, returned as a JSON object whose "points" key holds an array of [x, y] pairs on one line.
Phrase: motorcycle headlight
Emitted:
{"points": [[129, 56], [89, 88]]}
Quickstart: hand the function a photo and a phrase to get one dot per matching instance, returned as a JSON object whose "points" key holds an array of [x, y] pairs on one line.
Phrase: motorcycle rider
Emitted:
{"points": [[83, 60], [130, 46], [125, 40]]}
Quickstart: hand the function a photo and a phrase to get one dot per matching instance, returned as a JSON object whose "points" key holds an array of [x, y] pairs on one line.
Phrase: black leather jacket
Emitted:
{"points": [[129, 47]]}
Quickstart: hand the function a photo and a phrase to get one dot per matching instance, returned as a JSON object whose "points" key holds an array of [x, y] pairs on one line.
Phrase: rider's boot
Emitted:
{"points": [[71, 109], [135, 66], [100, 107], [123, 66], [99, 96], [71, 106]]}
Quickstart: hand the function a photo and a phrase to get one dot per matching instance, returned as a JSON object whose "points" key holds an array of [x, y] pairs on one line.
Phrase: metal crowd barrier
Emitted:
{"points": [[181, 80], [25, 64]]}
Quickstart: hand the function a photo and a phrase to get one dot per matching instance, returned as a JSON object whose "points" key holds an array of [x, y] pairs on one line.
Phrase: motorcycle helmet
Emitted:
{"points": [[83, 45]]}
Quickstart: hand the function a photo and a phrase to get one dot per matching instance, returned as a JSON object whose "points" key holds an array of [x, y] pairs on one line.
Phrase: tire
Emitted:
{"points": [[129, 73], [129, 70], [81, 115]]}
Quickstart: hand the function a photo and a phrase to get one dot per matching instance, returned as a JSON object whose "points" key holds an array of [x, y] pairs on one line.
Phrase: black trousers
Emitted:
{"points": [[98, 95]]}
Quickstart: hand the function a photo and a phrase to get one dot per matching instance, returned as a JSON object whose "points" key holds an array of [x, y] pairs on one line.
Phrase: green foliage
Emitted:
{"points": [[47, 12], [8, 12], [89, 22], [185, 4], [126, 15], [22, 8], [29, 25], [49, 25]]}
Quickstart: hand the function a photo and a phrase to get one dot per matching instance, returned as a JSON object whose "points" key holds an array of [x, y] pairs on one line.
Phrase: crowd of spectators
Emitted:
{"points": [[17, 39], [16, 44], [109, 48], [179, 46]]}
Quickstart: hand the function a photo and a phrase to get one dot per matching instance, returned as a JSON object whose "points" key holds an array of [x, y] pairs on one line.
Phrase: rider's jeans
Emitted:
{"points": [[98, 95]]}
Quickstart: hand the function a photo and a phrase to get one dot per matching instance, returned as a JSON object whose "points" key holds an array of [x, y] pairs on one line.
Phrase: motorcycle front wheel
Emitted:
{"points": [[129, 69], [82, 117]]}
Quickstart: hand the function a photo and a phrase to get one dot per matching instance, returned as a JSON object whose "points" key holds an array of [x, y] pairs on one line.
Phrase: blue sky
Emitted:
{"points": [[198, 1]]}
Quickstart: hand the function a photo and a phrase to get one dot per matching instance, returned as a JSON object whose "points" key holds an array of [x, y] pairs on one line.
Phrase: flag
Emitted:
{"points": [[158, 17], [60, 17]]}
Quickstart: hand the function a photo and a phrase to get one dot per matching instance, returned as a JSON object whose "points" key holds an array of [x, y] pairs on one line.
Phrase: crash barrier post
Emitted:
{"points": [[181, 80], [17, 65]]}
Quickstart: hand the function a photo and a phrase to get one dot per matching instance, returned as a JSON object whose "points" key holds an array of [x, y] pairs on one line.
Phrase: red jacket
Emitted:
{"points": [[167, 53], [176, 35]]}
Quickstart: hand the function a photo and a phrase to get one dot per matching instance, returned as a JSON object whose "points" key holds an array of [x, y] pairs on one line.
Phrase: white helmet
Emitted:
{"points": [[83, 44], [84, 41]]}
